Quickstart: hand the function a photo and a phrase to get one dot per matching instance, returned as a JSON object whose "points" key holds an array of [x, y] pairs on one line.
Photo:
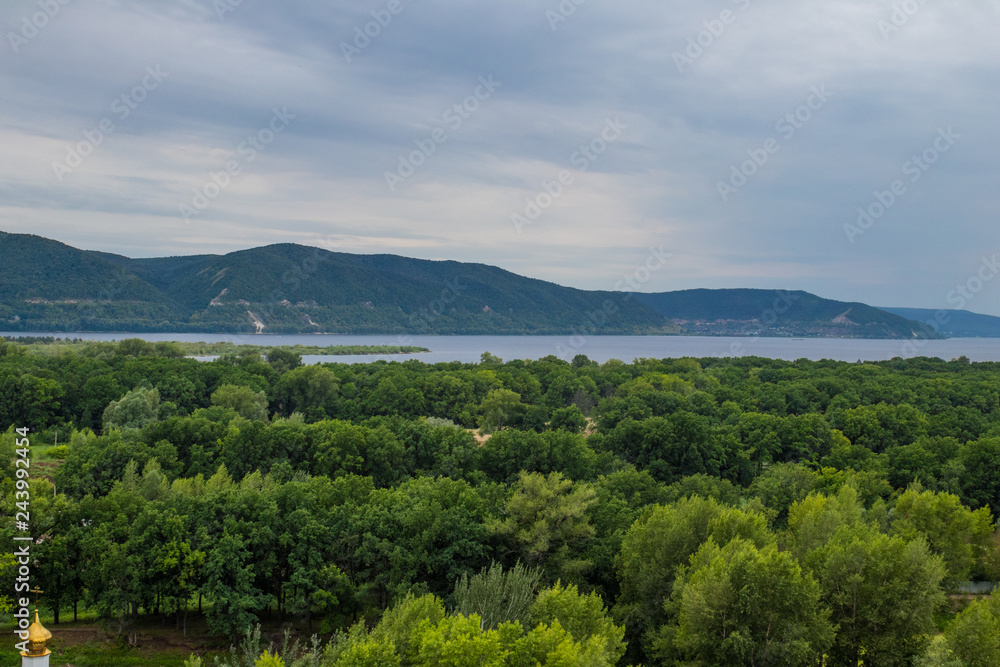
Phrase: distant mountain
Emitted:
{"points": [[953, 323], [36, 267], [755, 312], [49, 286]]}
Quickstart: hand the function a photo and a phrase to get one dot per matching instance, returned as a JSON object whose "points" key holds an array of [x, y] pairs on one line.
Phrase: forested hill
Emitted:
{"points": [[46, 285], [954, 323], [36, 267], [49, 286], [742, 312]]}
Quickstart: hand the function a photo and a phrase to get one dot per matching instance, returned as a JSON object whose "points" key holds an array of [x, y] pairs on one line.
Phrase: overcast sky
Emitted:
{"points": [[739, 137]]}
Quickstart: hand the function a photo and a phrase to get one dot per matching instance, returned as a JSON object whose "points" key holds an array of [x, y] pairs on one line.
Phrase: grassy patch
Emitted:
{"points": [[107, 655], [88, 643]]}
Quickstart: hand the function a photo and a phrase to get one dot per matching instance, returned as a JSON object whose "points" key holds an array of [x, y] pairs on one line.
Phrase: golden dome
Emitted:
{"points": [[37, 636]]}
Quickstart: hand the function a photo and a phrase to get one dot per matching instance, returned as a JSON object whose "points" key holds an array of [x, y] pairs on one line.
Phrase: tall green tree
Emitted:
{"points": [[660, 543], [498, 410], [311, 390], [974, 635], [545, 521], [962, 537], [980, 480], [497, 596], [743, 606], [420, 536], [28, 401], [246, 402], [584, 617], [939, 654], [136, 409], [230, 585], [882, 592]]}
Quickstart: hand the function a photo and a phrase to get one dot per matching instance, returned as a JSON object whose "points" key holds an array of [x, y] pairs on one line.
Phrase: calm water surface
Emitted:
{"points": [[602, 348]]}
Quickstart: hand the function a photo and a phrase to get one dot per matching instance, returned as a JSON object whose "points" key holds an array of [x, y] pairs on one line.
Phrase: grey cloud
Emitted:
{"points": [[324, 177]]}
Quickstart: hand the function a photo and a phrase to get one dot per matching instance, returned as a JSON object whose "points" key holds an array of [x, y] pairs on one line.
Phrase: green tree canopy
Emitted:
{"points": [[311, 390], [497, 596], [246, 402], [974, 635], [743, 606], [498, 409], [882, 591], [962, 537], [136, 409], [545, 518]]}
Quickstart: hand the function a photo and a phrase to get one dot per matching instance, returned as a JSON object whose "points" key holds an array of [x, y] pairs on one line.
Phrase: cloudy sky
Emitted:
{"points": [[559, 141]]}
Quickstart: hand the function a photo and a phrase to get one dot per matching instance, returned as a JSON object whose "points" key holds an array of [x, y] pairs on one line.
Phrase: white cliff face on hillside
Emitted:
{"points": [[217, 301], [257, 322]]}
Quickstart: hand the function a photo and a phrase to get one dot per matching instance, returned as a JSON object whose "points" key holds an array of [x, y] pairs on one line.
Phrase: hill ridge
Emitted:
{"points": [[47, 285], [776, 312], [289, 288]]}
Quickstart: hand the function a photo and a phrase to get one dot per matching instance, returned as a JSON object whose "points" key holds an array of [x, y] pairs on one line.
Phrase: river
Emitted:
{"points": [[600, 348]]}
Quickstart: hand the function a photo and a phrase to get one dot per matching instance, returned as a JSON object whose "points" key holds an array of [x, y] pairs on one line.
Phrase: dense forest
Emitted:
{"points": [[710, 512], [753, 312], [286, 288]]}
